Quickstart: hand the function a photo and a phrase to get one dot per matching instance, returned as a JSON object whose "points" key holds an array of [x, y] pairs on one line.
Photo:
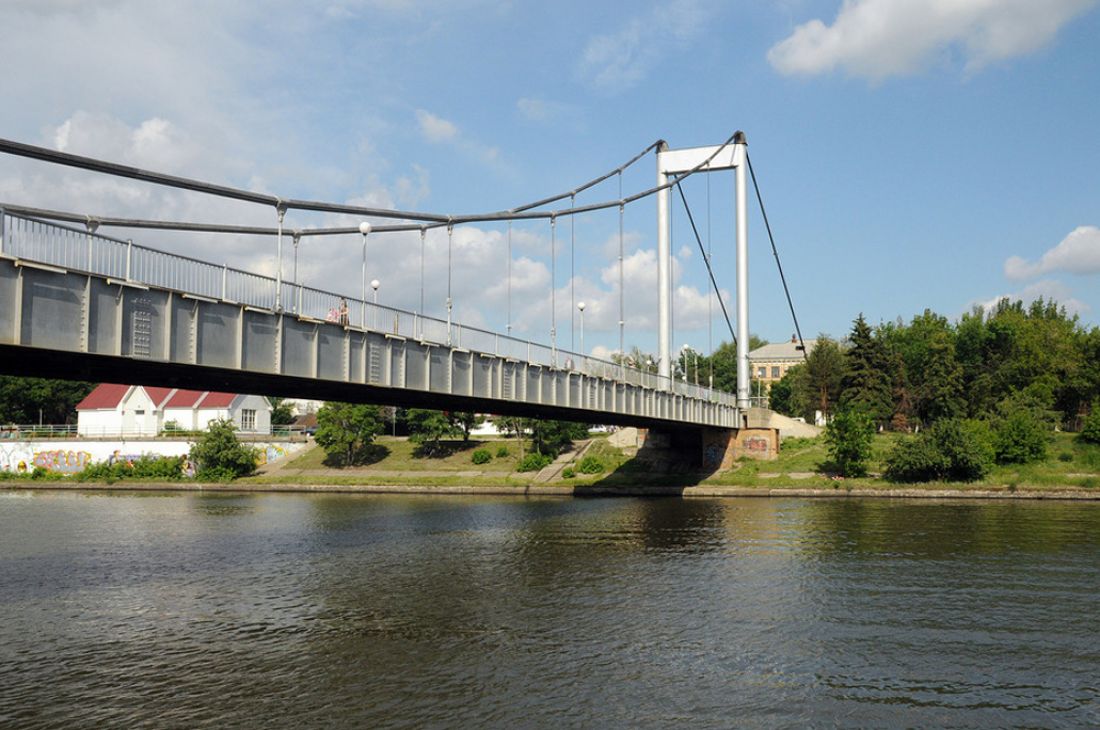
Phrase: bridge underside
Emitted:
{"points": [[58, 323]]}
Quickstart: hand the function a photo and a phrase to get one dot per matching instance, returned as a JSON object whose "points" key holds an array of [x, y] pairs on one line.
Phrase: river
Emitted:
{"points": [[284, 610]]}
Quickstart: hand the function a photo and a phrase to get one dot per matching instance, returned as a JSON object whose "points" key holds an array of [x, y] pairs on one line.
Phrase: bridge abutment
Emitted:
{"points": [[711, 449]]}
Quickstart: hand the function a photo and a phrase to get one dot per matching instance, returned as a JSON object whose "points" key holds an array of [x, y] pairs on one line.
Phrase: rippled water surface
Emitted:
{"points": [[186, 610]]}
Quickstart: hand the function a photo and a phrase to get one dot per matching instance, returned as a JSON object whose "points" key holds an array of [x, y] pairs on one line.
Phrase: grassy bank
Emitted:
{"points": [[800, 468]]}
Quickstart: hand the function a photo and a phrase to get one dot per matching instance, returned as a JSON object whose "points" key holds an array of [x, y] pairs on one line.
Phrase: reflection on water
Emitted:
{"points": [[276, 610]]}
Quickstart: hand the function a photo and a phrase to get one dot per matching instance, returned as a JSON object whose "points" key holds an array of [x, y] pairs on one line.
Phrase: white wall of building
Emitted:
{"points": [[261, 413], [98, 423]]}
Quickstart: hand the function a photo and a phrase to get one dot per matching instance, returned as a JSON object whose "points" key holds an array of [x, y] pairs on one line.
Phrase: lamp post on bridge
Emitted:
{"points": [[364, 228], [374, 284], [580, 307], [685, 350]]}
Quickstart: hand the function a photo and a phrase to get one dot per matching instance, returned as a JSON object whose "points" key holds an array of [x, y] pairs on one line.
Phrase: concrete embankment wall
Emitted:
{"points": [[565, 490], [71, 456]]}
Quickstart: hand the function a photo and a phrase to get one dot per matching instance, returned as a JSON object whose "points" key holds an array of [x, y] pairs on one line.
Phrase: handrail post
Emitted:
{"points": [[3, 215], [129, 257], [225, 276]]}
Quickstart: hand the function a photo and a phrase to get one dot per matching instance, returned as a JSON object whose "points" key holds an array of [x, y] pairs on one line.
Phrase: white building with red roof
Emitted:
{"points": [[139, 410]]}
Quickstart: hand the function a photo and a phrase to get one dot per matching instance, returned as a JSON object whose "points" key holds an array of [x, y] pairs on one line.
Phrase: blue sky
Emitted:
{"points": [[912, 154]]}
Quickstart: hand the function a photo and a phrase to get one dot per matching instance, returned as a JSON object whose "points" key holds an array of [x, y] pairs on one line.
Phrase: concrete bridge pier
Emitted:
{"points": [[706, 448]]}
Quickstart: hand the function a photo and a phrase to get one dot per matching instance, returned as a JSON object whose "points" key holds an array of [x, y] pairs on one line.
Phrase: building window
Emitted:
{"points": [[248, 420], [139, 413], [761, 372], [775, 371]]}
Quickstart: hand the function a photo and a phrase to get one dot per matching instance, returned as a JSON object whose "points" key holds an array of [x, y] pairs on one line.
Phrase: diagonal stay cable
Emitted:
{"points": [[707, 262], [775, 252]]}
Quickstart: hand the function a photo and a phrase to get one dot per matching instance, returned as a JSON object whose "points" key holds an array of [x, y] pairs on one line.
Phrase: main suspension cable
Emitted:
{"points": [[775, 252], [710, 271], [433, 219]]}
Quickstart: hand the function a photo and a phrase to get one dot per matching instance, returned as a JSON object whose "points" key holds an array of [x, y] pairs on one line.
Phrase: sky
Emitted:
{"points": [[911, 154]]}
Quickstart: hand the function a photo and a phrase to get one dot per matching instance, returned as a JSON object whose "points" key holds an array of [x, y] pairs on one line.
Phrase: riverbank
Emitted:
{"points": [[932, 492], [396, 468]]}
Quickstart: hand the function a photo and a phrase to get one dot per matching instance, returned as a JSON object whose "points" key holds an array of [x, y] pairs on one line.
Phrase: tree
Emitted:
{"points": [[940, 392], [849, 434], [346, 430], [220, 456], [866, 382], [24, 400], [428, 427], [1090, 433], [792, 395], [282, 412], [825, 369], [1020, 437], [465, 421], [723, 363], [552, 437]]}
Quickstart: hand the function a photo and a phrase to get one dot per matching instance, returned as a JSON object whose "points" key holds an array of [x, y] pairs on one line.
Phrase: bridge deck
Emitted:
{"points": [[122, 312]]}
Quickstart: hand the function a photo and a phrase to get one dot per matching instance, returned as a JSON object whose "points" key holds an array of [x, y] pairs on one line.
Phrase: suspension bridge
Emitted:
{"points": [[77, 303]]}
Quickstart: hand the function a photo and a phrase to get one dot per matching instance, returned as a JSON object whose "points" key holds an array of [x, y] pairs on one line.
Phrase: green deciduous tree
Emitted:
{"points": [[428, 427], [825, 369], [23, 400], [282, 413], [220, 456], [1090, 432], [346, 430], [464, 422], [849, 434]]}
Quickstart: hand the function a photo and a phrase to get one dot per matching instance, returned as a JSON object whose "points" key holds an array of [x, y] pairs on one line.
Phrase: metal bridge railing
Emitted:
{"points": [[89, 252]]}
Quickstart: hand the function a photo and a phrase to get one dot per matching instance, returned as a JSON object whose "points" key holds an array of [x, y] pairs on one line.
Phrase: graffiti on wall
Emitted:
{"points": [[756, 444], [71, 457], [269, 453], [61, 462], [712, 456]]}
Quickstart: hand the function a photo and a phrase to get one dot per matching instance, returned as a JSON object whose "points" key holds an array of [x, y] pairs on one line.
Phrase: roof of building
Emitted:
{"points": [[184, 399], [109, 395], [781, 351], [217, 400], [158, 395], [104, 395]]}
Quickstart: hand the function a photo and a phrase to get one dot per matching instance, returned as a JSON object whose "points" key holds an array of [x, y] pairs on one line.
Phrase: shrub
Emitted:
{"points": [[849, 436], [481, 456], [966, 446], [590, 465], [502, 452], [534, 462], [220, 456], [1090, 432], [1020, 438], [1065, 456], [952, 450], [914, 459], [147, 467], [568, 473]]}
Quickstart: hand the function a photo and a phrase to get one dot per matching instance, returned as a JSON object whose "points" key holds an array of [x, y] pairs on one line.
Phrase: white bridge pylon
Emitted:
{"points": [[677, 162]]}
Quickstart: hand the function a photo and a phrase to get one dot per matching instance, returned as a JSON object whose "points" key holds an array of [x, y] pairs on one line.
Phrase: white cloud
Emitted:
{"points": [[876, 39], [1077, 253], [1048, 289], [619, 60], [435, 129], [544, 111]]}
